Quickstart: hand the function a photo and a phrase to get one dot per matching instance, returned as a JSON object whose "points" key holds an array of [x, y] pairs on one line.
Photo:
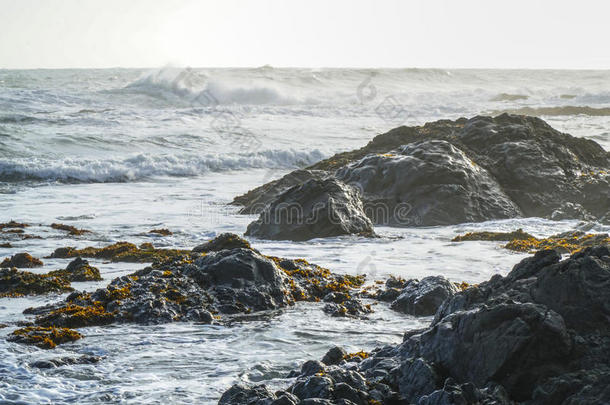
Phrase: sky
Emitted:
{"points": [[312, 33]]}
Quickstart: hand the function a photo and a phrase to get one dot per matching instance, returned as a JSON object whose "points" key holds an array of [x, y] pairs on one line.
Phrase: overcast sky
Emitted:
{"points": [[310, 33]]}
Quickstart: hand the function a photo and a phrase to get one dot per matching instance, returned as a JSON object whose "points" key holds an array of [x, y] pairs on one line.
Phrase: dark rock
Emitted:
{"points": [[255, 201], [422, 298], [311, 367], [223, 283], [222, 242], [427, 183], [78, 270], [538, 336], [65, 361], [334, 356], [22, 261], [352, 307], [240, 395], [315, 209], [523, 166]]}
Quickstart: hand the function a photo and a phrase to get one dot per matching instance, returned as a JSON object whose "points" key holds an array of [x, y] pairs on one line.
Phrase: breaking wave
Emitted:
{"points": [[142, 166]]}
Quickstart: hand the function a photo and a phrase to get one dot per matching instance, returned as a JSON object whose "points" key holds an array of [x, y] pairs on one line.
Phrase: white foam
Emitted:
{"points": [[143, 166]]}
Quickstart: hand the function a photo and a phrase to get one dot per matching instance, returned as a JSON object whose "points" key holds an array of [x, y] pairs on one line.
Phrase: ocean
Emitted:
{"points": [[123, 151]]}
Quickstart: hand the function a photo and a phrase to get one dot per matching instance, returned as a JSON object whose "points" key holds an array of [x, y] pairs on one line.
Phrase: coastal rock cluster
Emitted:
{"points": [[540, 335], [225, 277], [444, 172]]}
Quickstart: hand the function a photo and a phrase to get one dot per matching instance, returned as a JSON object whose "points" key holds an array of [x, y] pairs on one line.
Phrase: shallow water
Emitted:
{"points": [[121, 152]]}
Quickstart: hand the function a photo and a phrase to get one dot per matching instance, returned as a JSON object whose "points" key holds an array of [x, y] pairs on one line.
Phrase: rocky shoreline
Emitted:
{"points": [[540, 335]]}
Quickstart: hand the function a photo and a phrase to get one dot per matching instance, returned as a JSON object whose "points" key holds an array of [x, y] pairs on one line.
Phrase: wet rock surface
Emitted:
{"points": [[477, 169], [540, 335], [317, 208]]}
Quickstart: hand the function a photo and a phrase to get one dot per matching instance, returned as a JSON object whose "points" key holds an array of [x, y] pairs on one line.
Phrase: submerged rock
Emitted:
{"points": [[45, 338], [78, 270], [161, 231], [72, 230], [15, 283], [21, 260], [317, 208], [566, 242], [121, 252], [477, 169], [539, 336], [65, 361]]}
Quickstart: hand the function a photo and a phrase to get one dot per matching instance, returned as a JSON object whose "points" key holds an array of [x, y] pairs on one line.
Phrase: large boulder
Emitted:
{"points": [[427, 183], [476, 169], [318, 208], [423, 298]]}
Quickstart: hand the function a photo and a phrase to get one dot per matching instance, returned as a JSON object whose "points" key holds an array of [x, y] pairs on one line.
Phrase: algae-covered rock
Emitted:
{"points": [[184, 288], [72, 230], [221, 242], [44, 337], [78, 270], [21, 260], [15, 283], [120, 252]]}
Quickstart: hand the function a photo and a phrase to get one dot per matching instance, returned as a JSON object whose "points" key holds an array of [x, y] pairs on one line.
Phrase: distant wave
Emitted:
{"points": [[552, 111], [146, 166], [195, 88]]}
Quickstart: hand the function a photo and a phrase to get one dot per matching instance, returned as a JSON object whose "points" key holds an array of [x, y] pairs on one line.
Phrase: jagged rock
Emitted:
{"points": [[15, 282], [78, 270], [522, 165], [315, 209], [22, 261], [422, 298], [221, 242], [539, 336]]}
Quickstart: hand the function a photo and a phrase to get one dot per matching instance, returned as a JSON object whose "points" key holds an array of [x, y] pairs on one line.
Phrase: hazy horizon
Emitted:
{"points": [[473, 34]]}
